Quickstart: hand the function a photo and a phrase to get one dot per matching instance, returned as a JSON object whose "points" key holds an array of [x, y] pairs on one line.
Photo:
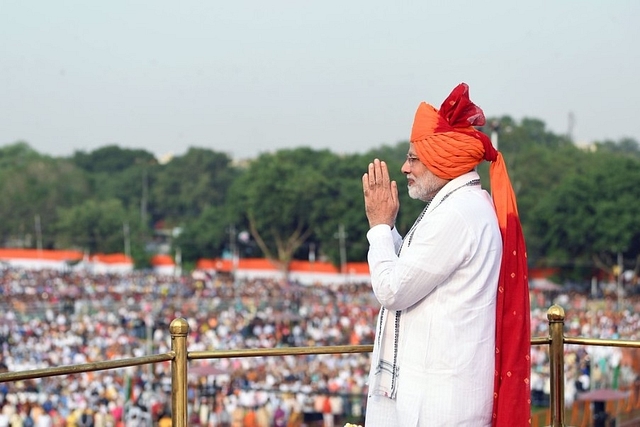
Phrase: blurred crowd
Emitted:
{"points": [[588, 367], [51, 318], [48, 318]]}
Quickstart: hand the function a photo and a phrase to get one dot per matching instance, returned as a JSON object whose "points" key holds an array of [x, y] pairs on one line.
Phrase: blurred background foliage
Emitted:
{"points": [[578, 204]]}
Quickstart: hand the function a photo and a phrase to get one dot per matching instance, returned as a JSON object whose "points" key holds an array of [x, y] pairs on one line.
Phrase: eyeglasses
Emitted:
{"points": [[411, 159]]}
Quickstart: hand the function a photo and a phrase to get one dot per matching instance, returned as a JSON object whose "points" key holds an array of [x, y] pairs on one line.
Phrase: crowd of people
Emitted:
{"points": [[50, 318]]}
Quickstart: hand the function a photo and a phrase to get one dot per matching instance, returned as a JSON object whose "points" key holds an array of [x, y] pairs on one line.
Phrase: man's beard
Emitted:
{"points": [[425, 187]]}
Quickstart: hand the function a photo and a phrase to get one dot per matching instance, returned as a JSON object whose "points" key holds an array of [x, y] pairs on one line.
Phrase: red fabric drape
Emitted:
{"points": [[512, 391]]}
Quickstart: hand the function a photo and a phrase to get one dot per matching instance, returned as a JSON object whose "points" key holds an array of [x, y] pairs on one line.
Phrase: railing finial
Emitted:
{"points": [[179, 327], [555, 314]]}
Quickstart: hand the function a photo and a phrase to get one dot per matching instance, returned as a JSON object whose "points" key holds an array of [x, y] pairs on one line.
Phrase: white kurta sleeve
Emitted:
{"points": [[439, 245]]}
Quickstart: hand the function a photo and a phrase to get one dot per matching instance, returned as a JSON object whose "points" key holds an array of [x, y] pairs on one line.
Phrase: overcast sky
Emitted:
{"points": [[245, 77]]}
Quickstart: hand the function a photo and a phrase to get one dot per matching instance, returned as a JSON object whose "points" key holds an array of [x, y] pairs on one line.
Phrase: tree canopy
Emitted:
{"points": [[589, 218], [576, 203]]}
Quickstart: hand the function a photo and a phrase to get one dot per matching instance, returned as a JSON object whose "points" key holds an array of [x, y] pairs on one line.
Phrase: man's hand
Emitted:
{"points": [[380, 195]]}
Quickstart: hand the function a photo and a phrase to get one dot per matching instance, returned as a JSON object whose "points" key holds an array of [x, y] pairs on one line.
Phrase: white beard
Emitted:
{"points": [[425, 187]]}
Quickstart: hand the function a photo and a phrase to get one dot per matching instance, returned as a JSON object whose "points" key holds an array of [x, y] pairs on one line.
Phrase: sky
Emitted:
{"points": [[246, 77]]}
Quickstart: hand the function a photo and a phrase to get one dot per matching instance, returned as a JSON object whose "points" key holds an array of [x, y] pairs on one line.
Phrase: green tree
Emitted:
{"points": [[282, 197], [627, 146], [32, 187], [17, 154], [120, 173], [187, 185], [591, 216], [111, 159], [98, 227], [205, 236], [297, 200], [338, 208]]}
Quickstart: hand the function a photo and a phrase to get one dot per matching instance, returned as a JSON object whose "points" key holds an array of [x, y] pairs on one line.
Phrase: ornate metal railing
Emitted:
{"points": [[179, 357]]}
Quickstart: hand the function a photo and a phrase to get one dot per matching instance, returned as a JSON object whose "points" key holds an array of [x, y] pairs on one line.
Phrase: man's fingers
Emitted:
{"points": [[384, 172], [365, 182], [372, 175], [394, 192], [378, 173]]}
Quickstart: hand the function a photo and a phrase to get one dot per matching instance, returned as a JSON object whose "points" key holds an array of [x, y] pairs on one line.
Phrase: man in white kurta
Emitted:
{"points": [[452, 343], [444, 284]]}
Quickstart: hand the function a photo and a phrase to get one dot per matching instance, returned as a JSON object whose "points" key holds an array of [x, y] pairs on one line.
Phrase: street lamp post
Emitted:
{"points": [[620, 291], [234, 249], [495, 127], [341, 236]]}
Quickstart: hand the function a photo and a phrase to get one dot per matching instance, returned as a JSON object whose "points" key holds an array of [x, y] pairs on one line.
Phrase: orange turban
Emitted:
{"points": [[447, 143]]}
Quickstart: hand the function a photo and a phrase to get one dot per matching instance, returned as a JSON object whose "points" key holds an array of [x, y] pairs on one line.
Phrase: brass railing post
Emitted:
{"points": [[179, 329], [555, 315]]}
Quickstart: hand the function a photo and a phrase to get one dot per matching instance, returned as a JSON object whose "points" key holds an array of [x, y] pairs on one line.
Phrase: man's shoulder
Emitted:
{"points": [[470, 201]]}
